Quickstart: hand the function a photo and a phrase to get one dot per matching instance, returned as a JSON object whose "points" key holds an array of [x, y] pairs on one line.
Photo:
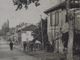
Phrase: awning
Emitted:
{"points": [[37, 42]]}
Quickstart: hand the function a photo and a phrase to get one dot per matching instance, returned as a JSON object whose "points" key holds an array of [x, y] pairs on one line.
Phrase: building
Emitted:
{"points": [[25, 32], [58, 27], [29, 31]]}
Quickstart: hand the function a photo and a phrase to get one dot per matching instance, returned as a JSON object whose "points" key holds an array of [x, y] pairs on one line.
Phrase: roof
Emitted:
{"points": [[29, 28], [62, 5]]}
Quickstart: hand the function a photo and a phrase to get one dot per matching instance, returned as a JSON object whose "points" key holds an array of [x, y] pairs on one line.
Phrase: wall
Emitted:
{"points": [[29, 37], [54, 31]]}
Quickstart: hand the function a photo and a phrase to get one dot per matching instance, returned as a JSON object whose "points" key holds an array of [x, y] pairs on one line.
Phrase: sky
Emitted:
{"points": [[32, 15]]}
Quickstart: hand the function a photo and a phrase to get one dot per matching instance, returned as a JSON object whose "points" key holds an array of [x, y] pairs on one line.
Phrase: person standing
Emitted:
{"points": [[31, 47], [11, 45], [24, 46]]}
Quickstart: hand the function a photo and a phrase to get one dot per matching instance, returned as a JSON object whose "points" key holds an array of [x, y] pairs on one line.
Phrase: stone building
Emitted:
{"points": [[58, 27]]}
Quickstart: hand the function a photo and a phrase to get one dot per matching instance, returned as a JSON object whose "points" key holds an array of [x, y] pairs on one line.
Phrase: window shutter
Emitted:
{"points": [[56, 18], [51, 19]]}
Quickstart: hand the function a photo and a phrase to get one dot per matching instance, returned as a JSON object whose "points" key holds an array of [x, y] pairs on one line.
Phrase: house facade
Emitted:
{"points": [[58, 27], [56, 18], [25, 33]]}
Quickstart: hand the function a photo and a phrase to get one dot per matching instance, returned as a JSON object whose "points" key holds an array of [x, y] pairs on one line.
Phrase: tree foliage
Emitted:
{"points": [[41, 30], [20, 3]]}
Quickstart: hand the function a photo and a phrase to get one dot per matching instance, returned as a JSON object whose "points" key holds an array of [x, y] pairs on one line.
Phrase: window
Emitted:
{"points": [[51, 19], [54, 19], [66, 18]]}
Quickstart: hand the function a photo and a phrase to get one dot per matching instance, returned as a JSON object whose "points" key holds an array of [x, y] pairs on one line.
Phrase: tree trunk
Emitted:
{"points": [[70, 45], [71, 32]]}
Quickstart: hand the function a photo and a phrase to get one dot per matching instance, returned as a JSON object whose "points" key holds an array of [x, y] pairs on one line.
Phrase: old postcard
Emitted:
{"points": [[39, 29]]}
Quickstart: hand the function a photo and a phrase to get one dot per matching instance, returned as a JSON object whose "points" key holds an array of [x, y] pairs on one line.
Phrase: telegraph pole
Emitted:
{"points": [[42, 32], [71, 32]]}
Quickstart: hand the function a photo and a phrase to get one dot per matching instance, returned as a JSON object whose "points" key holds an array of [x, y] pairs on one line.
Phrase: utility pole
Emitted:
{"points": [[71, 32], [42, 32]]}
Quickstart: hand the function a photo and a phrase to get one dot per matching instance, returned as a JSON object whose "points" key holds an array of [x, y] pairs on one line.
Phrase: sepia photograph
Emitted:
{"points": [[39, 29]]}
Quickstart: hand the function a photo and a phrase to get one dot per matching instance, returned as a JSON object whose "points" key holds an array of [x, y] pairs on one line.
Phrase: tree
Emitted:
{"points": [[44, 27], [70, 16], [20, 3], [38, 32], [71, 31], [5, 27]]}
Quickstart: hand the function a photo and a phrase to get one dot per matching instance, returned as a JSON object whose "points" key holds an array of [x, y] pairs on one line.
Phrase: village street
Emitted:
{"points": [[40, 30], [7, 54]]}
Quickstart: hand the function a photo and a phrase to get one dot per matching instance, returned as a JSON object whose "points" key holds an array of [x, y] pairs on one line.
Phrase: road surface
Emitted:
{"points": [[7, 54]]}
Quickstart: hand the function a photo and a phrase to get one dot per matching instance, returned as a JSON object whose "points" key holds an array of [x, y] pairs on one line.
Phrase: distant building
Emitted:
{"points": [[28, 31], [25, 32]]}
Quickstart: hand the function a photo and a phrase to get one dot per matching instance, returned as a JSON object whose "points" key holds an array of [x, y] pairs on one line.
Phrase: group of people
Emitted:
{"points": [[49, 47], [29, 46]]}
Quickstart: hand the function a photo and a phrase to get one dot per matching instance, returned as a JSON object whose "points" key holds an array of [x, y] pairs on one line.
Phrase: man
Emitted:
{"points": [[24, 46], [11, 45]]}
